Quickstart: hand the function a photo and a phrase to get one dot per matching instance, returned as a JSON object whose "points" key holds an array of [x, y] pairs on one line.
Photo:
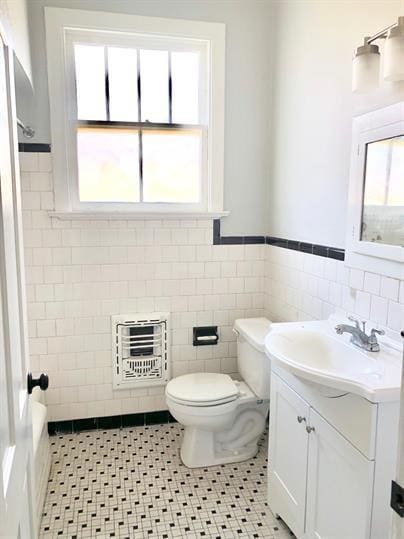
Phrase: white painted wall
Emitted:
{"points": [[248, 87], [313, 107], [13, 17]]}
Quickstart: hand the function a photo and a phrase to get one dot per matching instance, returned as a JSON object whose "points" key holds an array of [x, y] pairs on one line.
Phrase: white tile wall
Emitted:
{"points": [[300, 286], [79, 273]]}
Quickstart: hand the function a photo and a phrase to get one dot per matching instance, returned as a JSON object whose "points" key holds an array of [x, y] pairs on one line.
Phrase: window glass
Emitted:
{"points": [[108, 163], [122, 71], [90, 82], [185, 85], [172, 165], [154, 85]]}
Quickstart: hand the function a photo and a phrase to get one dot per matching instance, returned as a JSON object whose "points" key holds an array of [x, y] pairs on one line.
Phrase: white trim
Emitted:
{"points": [[134, 216], [61, 22], [384, 259]]}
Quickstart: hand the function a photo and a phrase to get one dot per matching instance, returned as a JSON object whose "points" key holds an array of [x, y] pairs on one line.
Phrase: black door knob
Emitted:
{"points": [[42, 382]]}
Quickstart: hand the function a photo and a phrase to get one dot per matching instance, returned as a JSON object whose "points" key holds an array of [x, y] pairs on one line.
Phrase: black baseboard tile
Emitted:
{"points": [[133, 420], [155, 418], [60, 427], [110, 422], [88, 423]]}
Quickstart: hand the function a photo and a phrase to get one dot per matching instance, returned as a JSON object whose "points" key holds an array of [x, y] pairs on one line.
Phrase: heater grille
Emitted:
{"points": [[140, 350]]}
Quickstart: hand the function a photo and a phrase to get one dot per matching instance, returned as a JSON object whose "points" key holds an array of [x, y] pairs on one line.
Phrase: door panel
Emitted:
{"points": [[288, 446], [16, 514], [339, 485]]}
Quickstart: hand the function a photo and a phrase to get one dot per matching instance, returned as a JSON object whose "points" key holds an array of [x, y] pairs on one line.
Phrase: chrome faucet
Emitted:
{"points": [[359, 337]]}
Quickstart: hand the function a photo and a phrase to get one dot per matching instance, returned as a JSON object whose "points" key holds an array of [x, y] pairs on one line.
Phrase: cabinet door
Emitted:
{"points": [[288, 445], [339, 485]]}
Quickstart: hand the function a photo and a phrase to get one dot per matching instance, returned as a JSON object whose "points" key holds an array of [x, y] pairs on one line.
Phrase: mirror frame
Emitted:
{"points": [[386, 259]]}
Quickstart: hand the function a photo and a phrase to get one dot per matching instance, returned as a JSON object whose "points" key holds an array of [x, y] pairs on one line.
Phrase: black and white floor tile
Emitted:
{"points": [[130, 483]]}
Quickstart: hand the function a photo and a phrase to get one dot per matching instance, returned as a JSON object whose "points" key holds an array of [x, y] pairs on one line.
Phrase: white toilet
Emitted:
{"points": [[224, 418]]}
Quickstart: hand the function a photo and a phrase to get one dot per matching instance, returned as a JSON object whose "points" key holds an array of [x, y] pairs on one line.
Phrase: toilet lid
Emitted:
{"points": [[202, 388]]}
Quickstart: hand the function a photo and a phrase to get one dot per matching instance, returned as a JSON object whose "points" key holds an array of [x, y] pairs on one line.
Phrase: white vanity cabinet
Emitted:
{"points": [[329, 475]]}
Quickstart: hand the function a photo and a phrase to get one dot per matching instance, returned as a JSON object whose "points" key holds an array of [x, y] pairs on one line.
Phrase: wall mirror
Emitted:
{"points": [[383, 194], [375, 232]]}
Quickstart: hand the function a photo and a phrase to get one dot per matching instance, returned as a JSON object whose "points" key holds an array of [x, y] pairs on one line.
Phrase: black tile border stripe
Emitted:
{"points": [[233, 240], [304, 247], [110, 422], [35, 147]]}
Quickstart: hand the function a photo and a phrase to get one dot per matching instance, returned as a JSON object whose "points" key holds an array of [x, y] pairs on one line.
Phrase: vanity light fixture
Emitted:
{"points": [[366, 61]]}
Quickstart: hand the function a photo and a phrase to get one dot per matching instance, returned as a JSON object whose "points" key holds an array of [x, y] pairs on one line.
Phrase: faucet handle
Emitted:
{"points": [[355, 320], [378, 331]]}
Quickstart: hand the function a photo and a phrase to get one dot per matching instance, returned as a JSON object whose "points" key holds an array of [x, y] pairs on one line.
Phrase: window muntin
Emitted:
{"points": [[162, 88]]}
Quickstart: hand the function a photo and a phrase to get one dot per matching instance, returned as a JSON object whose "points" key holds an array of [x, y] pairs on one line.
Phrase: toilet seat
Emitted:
{"points": [[202, 389]]}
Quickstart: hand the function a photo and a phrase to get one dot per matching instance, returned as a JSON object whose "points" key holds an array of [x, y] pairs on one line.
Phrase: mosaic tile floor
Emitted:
{"points": [[130, 483]]}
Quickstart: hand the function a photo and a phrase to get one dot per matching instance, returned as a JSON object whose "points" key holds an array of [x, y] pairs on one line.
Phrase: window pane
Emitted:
{"points": [[90, 82], [171, 166], [122, 70], [108, 164], [154, 85], [185, 83]]}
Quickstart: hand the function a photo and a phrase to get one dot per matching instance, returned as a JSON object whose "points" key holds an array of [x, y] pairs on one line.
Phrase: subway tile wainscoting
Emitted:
{"points": [[79, 273]]}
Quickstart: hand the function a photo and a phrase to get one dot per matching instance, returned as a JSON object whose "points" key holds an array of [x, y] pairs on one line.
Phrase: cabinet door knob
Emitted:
{"points": [[309, 429], [300, 419]]}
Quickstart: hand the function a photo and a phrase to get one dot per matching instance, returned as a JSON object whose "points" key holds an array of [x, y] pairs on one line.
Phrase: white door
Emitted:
{"points": [[16, 515], [287, 456], [339, 485], [398, 532]]}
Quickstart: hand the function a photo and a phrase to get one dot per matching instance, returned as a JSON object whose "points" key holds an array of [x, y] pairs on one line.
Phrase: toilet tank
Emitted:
{"points": [[253, 364]]}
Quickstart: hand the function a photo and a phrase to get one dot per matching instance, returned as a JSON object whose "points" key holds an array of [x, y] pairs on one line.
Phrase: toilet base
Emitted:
{"points": [[200, 449]]}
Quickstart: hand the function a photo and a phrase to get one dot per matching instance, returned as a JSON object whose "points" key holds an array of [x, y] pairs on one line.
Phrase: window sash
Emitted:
{"points": [[154, 127], [141, 205], [138, 42], [105, 40], [66, 26]]}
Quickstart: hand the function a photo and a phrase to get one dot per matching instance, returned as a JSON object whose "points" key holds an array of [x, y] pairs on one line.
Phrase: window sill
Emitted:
{"points": [[134, 216]]}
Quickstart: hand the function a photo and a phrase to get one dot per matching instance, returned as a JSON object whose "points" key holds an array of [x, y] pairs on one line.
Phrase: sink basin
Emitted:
{"points": [[314, 352]]}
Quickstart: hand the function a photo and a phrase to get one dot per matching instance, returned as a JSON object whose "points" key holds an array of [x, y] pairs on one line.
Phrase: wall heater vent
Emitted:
{"points": [[140, 350]]}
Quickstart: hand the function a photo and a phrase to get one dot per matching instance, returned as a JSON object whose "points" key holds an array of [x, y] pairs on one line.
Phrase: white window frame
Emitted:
{"points": [[63, 26]]}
